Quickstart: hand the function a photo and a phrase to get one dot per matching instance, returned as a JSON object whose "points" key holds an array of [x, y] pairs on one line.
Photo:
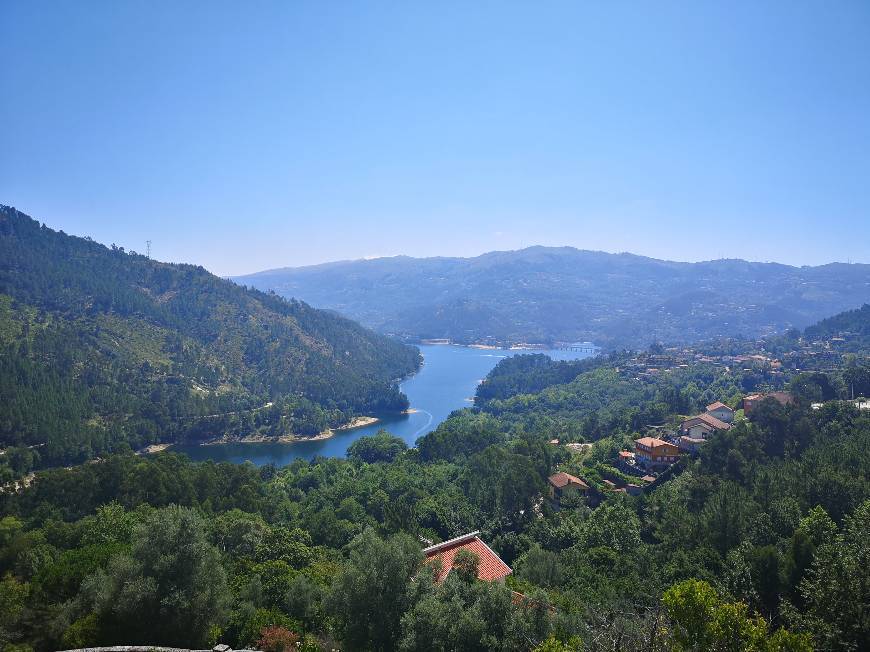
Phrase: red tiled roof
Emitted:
{"points": [[490, 568], [782, 397], [716, 406], [562, 479], [708, 419], [651, 442]]}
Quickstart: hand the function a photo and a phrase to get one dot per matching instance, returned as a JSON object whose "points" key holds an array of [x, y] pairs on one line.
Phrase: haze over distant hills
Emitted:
{"points": [[562, 294]]}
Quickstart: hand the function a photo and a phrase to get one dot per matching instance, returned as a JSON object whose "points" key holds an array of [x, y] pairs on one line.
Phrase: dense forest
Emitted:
{"points": [[553, 294], [759, 542], [104, 350], [762, 542]]}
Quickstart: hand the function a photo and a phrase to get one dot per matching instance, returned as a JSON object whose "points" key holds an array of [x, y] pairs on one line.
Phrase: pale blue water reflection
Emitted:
{"points": [[446, 382]]}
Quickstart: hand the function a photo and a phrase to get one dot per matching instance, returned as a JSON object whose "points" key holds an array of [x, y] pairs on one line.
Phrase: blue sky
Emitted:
{"points": [[249, 135]]}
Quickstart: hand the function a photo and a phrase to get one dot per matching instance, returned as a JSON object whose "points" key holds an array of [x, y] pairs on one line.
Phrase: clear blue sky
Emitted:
{"points": [[249, 135]]}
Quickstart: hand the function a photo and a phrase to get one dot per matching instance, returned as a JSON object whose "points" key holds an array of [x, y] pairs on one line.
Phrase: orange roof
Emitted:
{"points": [[651, 442], [562, 479], [717, 405], [782, 397], [490, 568]]}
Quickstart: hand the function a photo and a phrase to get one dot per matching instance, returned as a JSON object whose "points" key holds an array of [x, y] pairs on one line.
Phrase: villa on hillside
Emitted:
{"points": [[564, 484], [490, 568], [721, 411], [702, 426], [653, 454]]}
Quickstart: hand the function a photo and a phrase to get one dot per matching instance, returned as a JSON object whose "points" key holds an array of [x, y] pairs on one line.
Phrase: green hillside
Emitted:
{"points": [[102, 348], [852, 328]]}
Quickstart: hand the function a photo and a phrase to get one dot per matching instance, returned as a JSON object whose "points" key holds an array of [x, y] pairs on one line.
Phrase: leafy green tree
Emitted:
{"points": [[290, 545], [503, 483], [466, 565], [541, 567], [462, 616], [169, 590], [766, 574], [613, 526], [701, 620], [13, 596], [382, 447], [237, 533], [373, 590], [725, 517], [304, 601], [552, 644], [836, 590]]}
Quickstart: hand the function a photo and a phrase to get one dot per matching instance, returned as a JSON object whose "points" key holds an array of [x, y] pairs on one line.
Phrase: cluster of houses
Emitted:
{"points": [[651, 454], [657, 454], [654, 454]]}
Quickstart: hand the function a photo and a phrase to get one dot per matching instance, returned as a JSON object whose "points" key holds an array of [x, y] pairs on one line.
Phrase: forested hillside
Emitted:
{"points": [[102, 349], [852, 328], [758, 541], [759, 544], [552, 294]]}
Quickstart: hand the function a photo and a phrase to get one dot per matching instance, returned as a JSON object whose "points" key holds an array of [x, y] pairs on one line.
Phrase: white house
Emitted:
{"points": [[721, 411], [702, 426]]}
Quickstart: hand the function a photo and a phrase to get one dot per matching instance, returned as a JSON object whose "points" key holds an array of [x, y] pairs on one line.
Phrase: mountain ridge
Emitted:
{"points": [[551, 294], [530, 248]]}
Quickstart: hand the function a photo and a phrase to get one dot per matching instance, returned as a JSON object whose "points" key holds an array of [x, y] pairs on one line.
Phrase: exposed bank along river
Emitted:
{"points": [[446, 382]]}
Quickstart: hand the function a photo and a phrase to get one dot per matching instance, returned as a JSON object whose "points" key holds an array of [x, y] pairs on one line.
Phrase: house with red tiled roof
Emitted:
{"points": [[721, 411], [702, 426], [652, 453], [563, 484], [490, 567], [751, 401]]}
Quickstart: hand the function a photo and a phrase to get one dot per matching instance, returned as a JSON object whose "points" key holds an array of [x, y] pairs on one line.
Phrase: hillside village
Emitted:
{"points": [[769, 363], [655, 454], [551, 499]]}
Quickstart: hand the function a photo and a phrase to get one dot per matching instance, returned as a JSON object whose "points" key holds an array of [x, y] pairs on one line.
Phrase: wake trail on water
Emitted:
{"points": [[428, 423]]}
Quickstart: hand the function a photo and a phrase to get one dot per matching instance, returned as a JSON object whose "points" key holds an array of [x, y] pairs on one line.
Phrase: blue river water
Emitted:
{"points": [[446, 382]]}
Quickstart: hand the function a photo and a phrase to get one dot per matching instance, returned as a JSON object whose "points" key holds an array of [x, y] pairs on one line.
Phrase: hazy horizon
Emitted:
{"points": [[245, 138], [537, 246], [155, 255]]}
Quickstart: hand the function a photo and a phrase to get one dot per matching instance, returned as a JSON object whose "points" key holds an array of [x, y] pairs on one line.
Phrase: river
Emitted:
{"points": [[446, 382]]}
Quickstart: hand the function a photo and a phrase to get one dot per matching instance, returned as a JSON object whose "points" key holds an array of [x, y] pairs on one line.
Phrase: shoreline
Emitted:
{"points": [[589, 347], [151, 449], [356, 422]]}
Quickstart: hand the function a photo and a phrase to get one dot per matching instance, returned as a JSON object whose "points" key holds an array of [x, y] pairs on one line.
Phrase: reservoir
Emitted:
{"points": [[446, 382]]}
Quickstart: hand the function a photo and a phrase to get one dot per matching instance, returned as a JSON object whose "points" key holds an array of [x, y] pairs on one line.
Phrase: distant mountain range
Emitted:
{"points": [[548, 295], [102, 349]]}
